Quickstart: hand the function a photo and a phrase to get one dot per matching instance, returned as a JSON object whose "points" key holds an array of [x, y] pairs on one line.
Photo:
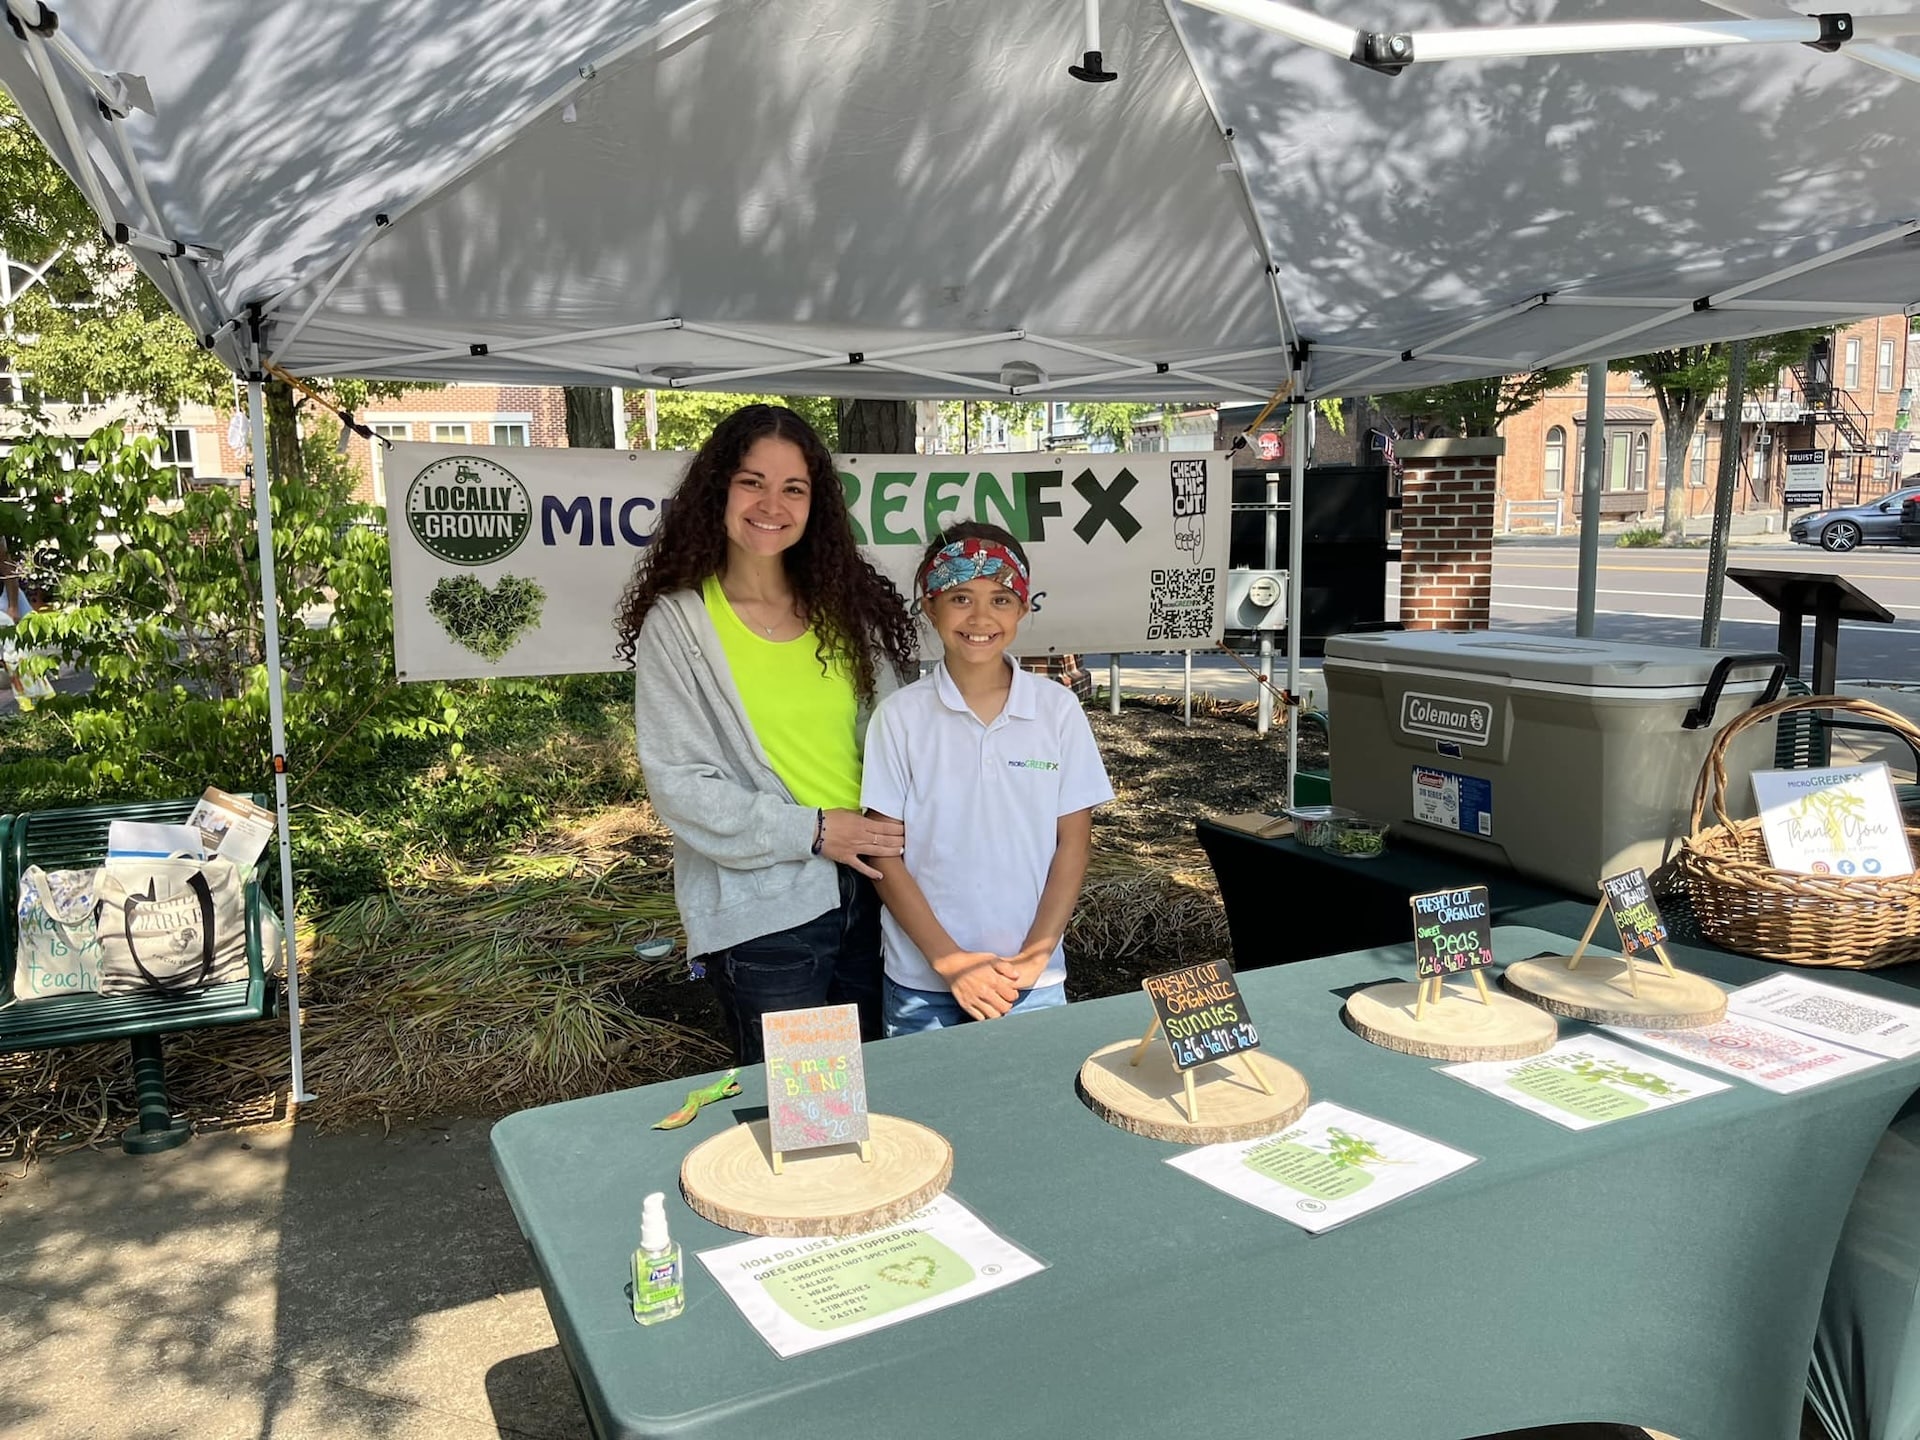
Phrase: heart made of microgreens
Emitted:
{"points": [[486, 621], [915, 1270]]}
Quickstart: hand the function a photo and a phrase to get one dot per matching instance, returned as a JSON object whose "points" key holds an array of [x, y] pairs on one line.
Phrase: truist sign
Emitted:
{"points": [[1467, 722]]}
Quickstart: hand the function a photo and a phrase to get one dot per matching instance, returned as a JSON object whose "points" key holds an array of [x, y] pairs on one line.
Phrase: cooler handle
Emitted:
{"points": [[1701, 715]]}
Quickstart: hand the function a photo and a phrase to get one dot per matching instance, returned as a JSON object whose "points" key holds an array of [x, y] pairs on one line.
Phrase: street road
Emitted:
{"points": [[1656, 596]]}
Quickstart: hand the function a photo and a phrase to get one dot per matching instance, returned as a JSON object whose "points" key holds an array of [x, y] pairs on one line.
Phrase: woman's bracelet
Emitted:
{"points": [[819, 830]]}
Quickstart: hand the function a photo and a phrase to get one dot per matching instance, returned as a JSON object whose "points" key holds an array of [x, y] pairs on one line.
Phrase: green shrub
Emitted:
{"points": [[1641, 536]]}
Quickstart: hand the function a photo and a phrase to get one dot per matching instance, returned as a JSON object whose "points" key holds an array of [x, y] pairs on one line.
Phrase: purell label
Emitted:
{"points": [[660, 1275]]}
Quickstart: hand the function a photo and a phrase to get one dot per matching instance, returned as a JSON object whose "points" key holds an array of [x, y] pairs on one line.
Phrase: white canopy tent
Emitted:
{"points": [[879, 198]]}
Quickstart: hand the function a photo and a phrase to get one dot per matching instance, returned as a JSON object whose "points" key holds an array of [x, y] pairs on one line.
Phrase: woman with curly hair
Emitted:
{"points": [[760, 639]]}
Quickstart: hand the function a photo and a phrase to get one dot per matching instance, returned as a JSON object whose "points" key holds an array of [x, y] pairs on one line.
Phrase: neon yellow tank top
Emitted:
{"points": [[803, 719]]}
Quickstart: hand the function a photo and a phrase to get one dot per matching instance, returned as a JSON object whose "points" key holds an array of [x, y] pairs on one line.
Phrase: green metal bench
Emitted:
{"points": [[77, 839]]}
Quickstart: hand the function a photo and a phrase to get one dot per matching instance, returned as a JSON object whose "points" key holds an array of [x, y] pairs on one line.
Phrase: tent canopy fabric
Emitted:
{"points": [[747, 194]]}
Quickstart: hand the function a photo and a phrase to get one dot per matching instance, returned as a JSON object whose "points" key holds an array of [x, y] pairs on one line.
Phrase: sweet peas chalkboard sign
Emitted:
{"points": [[1636, 914], [1452, 932], [1201, 1014]]}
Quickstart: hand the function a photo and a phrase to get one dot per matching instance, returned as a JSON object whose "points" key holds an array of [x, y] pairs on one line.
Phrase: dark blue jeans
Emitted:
{"points": [[832, 959]]}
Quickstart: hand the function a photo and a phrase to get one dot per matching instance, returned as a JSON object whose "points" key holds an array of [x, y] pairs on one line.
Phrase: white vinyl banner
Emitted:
{"points": [[510, 560]]}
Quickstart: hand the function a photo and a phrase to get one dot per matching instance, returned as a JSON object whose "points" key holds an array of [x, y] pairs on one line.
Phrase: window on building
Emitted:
{"points": [[176, 453], [1642, 449], [1553, 480], [1061, 418], [510, 434], [458, 433], [1697, 461], [388, 430], [1850, 370], [1883, 376]]}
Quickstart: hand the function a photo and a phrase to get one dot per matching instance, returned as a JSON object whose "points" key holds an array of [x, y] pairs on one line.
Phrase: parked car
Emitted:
{"points": [[1910, 521], [1877, 522]]}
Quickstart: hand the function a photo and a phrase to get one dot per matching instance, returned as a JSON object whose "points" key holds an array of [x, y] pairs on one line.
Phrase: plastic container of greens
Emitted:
{"points": [[1358, 838], [1315, 824]]}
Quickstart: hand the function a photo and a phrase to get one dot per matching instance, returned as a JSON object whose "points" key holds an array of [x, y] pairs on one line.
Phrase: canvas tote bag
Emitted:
{"points": [[169, 926], [59, 952]]}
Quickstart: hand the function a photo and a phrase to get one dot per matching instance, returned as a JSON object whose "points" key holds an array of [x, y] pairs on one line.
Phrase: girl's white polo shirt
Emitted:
{"points": [[981, 804]]}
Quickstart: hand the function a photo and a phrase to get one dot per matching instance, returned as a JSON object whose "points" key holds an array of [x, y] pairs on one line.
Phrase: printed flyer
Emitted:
{"points": [[1584, 1082], [804, 1294], [1757, 1051], [1328, 1167], [1827, 1012]]}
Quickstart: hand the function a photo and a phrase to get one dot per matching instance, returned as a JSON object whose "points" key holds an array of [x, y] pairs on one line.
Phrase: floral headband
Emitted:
{"points": [[971, 559]]}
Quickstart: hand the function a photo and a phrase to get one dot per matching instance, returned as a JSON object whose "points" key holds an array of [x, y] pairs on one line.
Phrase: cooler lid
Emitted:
{"points": [[1542, 659]]}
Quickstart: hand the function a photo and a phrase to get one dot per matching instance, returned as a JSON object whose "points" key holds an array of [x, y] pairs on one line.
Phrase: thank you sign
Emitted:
{"points": [[816, 1084], [1201, 1014], [1452, 931], [1636, 914]]}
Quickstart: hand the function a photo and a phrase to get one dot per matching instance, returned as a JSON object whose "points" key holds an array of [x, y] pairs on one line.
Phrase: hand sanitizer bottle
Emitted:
{"points": [[658, 1293]]}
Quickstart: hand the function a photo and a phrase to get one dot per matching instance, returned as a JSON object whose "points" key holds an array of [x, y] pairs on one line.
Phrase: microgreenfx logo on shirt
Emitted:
{"points": [[468, 511], [1033, 764]]}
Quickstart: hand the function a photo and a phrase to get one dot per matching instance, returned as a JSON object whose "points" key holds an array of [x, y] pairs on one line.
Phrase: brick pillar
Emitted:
{"points": [[1446, 532]]}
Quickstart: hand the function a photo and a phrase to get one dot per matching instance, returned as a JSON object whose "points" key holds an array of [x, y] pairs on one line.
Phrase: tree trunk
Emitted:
{"points": [[590, 417], [283, 435], [876, 427], [1679, 418]]}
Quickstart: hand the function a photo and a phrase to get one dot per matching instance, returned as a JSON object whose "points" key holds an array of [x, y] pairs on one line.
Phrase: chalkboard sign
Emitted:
{"points": [[1636, 914], [1201, 1014], [1451, 931], [816, 1084]]}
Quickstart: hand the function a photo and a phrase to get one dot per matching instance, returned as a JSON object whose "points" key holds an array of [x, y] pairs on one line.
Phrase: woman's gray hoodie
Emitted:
{"points": [[742, 854]]}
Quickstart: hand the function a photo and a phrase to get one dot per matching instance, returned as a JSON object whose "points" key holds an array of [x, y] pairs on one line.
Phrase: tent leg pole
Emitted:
{"points": [[1596, 458], [1723, 495], [1186, 687], [277, 721], [1296, 549]]}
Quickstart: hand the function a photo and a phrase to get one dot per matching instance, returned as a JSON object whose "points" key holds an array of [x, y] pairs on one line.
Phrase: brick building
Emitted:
{"points": [[1850, 407]]}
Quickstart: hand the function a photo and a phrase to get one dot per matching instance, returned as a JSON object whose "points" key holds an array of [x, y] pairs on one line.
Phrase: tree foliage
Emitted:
{"points": [[1475, 407], [158, 599], [684, 418], [1683, 379]]}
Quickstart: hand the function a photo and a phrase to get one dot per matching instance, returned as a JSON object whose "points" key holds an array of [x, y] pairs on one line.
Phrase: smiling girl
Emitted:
{"points": [[995, 774], [760, 638]]}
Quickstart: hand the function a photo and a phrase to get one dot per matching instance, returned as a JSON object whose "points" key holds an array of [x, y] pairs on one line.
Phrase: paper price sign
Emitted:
{"points": [[1636, 914], [1201, 1014], [1451, 932], [816, 1083]]}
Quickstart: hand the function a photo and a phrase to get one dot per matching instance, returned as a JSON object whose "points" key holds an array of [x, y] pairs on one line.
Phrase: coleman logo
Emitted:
{"points": [[1468, 721]]}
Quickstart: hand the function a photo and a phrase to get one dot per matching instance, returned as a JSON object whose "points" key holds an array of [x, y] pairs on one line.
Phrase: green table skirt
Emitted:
{"points": [[1666, 1270]]}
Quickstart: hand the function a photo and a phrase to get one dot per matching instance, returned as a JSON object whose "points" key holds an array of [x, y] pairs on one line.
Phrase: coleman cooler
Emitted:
{"points": [[1563, 759]]}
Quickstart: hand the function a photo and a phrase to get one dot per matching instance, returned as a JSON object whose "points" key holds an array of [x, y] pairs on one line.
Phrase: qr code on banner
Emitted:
{"points": [[1833, 1014], [1180, 604]]}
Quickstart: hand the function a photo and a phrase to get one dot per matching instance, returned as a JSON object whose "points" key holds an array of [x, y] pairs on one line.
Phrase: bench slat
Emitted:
{"points": [[76, 1019]]}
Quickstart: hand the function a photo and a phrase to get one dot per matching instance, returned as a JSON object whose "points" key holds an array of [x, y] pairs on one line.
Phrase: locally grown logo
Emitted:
{"points": [[468, 511], [1468, 721]]}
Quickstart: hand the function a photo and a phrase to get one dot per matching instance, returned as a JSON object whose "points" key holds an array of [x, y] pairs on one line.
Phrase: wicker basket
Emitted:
{"points": [[1741, 902]]}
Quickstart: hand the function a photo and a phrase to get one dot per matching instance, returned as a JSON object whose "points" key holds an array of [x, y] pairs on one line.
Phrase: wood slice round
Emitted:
{"points": [[1151, 1098], [1598, 992], [730, 1181], [1460, 1027]]}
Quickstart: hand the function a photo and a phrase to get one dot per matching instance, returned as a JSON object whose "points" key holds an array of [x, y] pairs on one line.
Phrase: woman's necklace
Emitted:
{"points": [[784, 616]]}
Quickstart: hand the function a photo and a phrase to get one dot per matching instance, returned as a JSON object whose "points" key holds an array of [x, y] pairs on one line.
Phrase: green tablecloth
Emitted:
{"points": [[1865, 1376], [1665, 1270]]}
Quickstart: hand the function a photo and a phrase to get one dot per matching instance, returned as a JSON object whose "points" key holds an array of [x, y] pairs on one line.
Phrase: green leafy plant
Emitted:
{"points": [[1640, 537], [158, 600], [1354, 1152], [487, 622], [1617, 1072]]}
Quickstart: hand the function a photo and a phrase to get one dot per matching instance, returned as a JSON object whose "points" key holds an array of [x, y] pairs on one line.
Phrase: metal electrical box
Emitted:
{"points": [[1256, 599]]}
